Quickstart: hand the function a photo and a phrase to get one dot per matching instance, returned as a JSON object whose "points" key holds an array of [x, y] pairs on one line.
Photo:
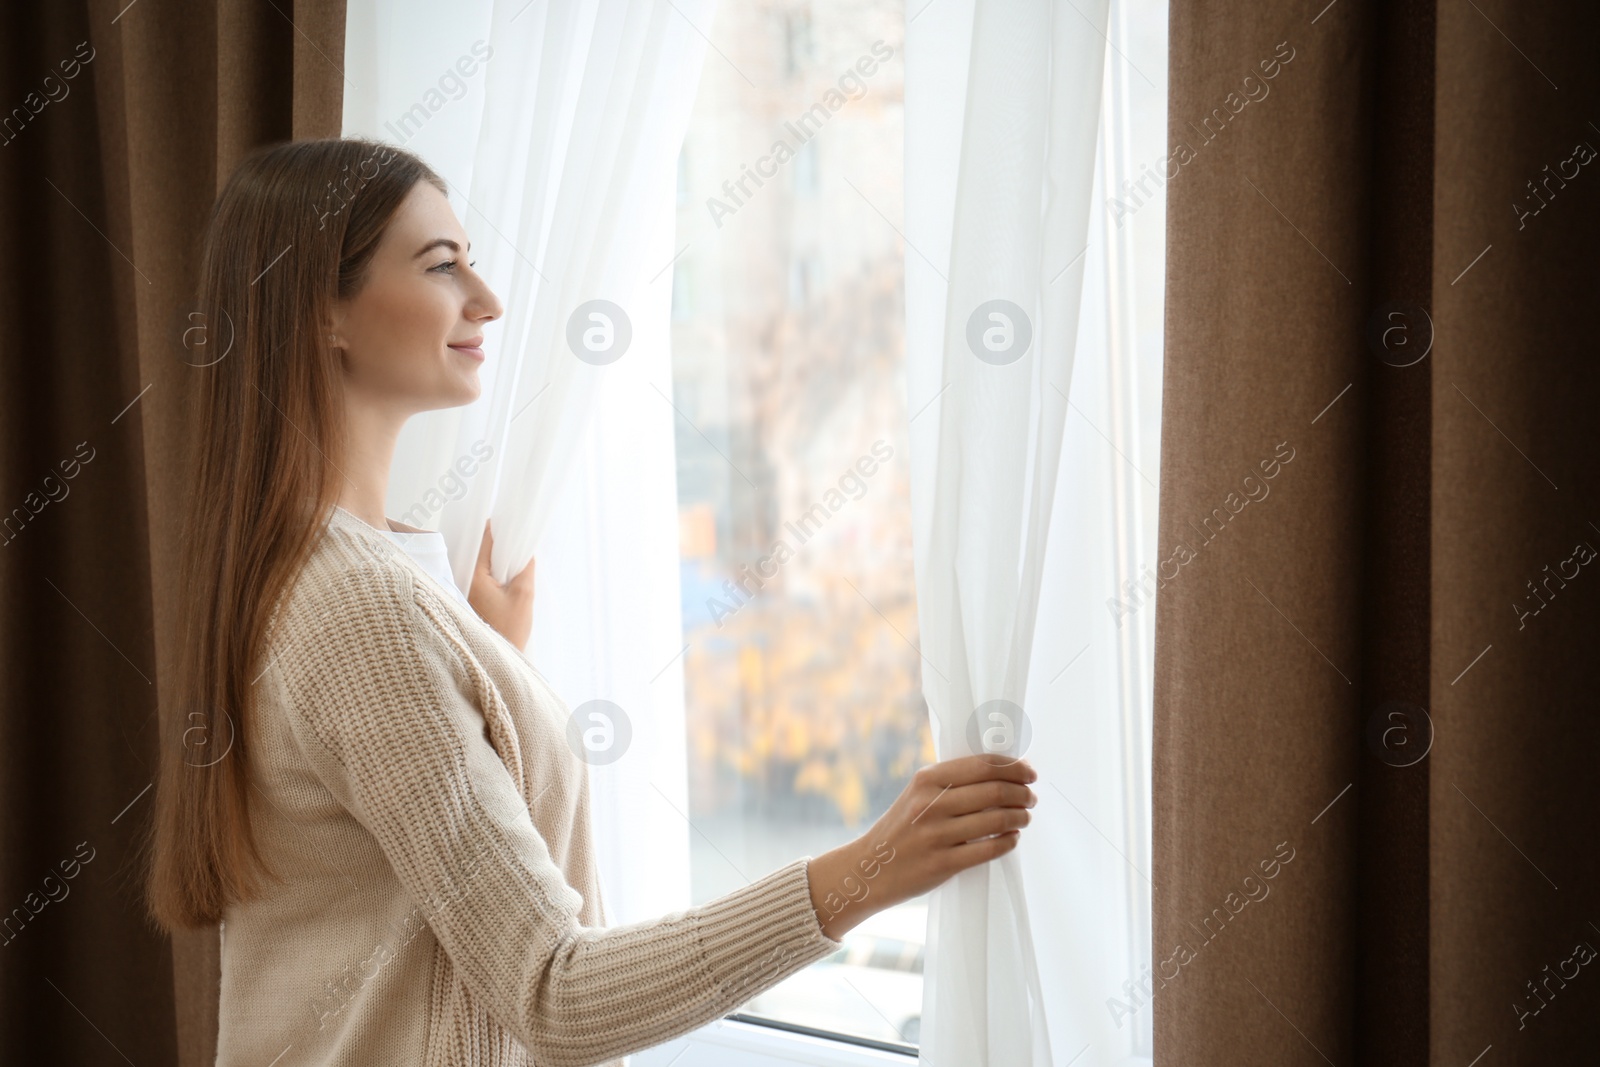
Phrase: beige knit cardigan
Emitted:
{"points": [[413, 788]]}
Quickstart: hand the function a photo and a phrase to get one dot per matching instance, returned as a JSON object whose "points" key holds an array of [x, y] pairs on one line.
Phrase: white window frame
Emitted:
{"points": [[734, 1042]]}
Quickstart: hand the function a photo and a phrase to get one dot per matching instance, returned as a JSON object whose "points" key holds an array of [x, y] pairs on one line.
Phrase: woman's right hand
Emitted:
{"points": [[508, 608], [955, 814]]}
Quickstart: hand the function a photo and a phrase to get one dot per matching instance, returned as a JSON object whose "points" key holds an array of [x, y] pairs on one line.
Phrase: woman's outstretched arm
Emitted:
{"points": [[379, 705]]}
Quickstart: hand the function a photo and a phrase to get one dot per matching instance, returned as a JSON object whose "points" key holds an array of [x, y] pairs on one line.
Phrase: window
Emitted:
{"points": [[798, 53], [804, 715], [805, 169], [803, 706], [682, 294]]}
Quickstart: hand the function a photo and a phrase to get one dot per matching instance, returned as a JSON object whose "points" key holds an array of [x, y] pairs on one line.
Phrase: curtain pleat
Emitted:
{"points": [[1381, 262], [77, 674], [1516, 461], [1002, 105], [104, 191]]}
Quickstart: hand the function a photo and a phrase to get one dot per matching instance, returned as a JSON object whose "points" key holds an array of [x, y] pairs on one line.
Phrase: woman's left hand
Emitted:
{"points": [[508, 608]]}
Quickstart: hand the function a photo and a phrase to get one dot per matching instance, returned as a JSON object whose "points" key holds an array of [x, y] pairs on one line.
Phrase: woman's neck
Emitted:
{"points": [[371, 432]]}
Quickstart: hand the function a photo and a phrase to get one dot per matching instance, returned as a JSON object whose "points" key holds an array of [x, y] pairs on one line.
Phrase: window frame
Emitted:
{"points": [[737, 1041]]}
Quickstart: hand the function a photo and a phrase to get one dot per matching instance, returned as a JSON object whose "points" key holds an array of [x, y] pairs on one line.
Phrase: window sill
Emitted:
{"points": [[734, 1043]]}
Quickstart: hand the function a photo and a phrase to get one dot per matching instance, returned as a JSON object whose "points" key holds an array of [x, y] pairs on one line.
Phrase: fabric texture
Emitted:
{"points": [[439, 902], [1002, 109], [1380, 263], [568, 127]]}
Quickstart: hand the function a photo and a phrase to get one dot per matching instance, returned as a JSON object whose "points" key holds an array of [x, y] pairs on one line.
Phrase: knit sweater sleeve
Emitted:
{"points": [[380, 707]]}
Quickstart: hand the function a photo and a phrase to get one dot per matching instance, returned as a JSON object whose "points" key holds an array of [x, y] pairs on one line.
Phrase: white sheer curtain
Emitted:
{"points": [[1002, 112], [560, 150], [573, 113]]}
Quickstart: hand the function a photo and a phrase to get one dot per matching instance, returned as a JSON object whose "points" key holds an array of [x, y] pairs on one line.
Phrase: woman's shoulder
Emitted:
{"points": [[353, 581], [347, 556], [359, 602]]}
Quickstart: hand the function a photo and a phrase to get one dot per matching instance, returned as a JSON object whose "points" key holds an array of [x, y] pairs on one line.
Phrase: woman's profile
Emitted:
{"points": [[369, 785]]}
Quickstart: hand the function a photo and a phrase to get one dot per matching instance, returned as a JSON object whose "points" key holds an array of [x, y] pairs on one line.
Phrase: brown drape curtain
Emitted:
{"points": [[128, 119], [1416, 175]]}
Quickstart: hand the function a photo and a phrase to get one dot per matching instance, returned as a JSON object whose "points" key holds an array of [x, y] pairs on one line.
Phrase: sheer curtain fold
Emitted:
{"points": [[552, 155], [631, 110], [1002, 112]]}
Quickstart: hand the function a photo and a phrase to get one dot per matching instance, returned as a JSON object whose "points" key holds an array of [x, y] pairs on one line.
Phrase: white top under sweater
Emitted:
{"points": [[427, 547]]}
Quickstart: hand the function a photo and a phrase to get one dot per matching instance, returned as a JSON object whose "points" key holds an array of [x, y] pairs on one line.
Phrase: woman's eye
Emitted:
{"points": [[449, 266]]}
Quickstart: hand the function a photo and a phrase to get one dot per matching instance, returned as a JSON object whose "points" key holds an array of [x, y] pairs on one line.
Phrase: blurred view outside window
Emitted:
{"points": [[804, 710]]}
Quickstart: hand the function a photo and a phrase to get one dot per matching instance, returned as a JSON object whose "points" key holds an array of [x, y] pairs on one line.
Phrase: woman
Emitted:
{"points": [[372, 790]]}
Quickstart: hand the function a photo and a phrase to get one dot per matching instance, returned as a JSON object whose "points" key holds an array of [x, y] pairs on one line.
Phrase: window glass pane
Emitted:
{"points": [[805, 715]]}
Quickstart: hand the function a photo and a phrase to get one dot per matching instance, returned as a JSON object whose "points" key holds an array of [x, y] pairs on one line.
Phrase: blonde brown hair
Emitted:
{"points": [[294, 229]]}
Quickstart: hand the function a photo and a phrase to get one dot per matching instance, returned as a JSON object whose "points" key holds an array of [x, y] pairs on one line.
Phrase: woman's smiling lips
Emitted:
{"points": [[472, 348]]}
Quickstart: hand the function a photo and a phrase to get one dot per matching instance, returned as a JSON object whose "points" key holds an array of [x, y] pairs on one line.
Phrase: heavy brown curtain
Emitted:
{"points": [[120, 123], [1415, 180]]}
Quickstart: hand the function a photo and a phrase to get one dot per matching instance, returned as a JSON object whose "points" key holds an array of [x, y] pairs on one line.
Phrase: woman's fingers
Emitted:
{"points": [[522, 582], [964, 828], [485, 548], [982, 851], [980, 795], [985, 766]]}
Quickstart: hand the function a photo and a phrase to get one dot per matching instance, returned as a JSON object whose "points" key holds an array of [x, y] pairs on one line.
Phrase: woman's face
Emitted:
{"points": [[412, 335]]}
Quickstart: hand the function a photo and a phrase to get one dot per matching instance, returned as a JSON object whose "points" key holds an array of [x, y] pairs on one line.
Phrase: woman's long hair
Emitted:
{"points": [[295, 228]]}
